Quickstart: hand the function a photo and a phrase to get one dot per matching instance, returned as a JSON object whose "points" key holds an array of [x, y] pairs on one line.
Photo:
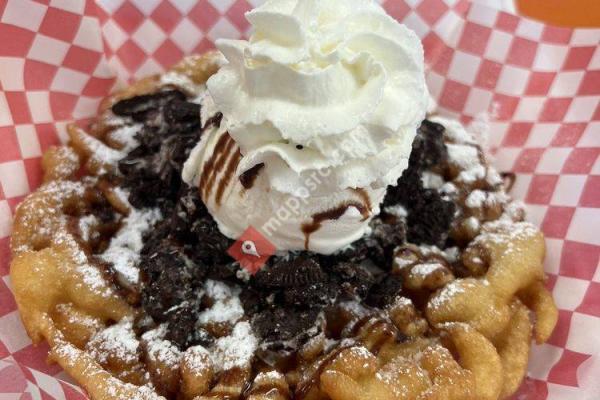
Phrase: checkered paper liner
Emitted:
{"points": [[540, 86]]}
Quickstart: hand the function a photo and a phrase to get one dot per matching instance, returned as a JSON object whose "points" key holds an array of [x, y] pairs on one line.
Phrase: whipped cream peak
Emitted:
{"points": [[342, 79], [322, 104]]}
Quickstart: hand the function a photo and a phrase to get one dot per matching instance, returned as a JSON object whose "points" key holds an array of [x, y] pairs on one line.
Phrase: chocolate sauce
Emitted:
{"points": [[226, 178], [208, 166], [305, 387], [332, 214], [215, 120], [268, 391], [247, 178], [218, 166], [362, 193], [509, 179], [216, 162], [371, 328], [228, 386]]}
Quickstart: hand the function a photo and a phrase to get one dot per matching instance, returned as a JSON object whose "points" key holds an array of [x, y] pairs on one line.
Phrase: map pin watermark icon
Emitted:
{"points": [[252, 250], [249, 248]]}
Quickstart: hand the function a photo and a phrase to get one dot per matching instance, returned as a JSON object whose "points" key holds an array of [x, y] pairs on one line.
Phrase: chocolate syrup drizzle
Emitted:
{"points": [[247, 178], [226, 156], [334, 214]]}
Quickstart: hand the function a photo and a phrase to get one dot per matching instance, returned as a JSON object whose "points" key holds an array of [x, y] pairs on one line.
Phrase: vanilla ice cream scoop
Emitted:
{"points": [[320, 109]]}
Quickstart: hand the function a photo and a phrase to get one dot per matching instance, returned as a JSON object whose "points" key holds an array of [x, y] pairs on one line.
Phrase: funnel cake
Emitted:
{"points": [[120, 268]]}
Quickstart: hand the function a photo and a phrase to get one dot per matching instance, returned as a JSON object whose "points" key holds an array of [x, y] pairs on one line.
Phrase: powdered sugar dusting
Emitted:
{"points": [[228, 310], [101, 152], [506, 232], [124, 249], [78, 319], [454, 130], [86, 227], [117, 341], [126, 136], [90, 275], [475, 199], [235, 350], [431, 180], [160, 349], [426, 269], [197, 359], [44, 213], [218, 290], [226, 307], [446, 294], [397, 211], [464, 156]]}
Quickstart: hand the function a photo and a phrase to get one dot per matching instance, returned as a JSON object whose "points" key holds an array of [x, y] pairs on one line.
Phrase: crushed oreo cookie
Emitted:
{"points": [[292, 296], [171, 128], [429, 214]]}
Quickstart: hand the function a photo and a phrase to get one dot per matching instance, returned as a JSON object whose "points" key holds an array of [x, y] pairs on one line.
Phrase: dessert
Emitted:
{"points": [[424, 289]]}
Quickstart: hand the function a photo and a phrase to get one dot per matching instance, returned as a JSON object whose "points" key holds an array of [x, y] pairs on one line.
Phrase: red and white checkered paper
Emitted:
{"points": [[540, 86]]}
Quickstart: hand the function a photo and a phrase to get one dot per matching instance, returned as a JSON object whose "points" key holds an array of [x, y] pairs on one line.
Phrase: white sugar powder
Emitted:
{"points": [[397, 211], [454, 130], [118, 341], [197, 359], [217, 290], [160, 349], [86, 225], [126, 136], [124, 249], [464, 156], [431, 180], [235, 350], [446, 294], [93, 279], [101, 152], [425, 269], [473, 174], [269, 376], [401, 263], [225, 310], [476, 199], [472, 223]]}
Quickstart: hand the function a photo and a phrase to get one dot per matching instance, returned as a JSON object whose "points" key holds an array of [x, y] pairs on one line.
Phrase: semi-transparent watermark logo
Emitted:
{"points": [[252, 250]]}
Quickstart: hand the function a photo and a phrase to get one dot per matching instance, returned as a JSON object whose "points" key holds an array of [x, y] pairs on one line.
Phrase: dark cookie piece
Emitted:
{"points": [[295, 281], [183, 330], [170, 279], [189, 208], [429, 219], [385, 291], [171, 128], [354, 279], [182, 115], [138, 107], [429, 215], [281, 324], [429, 149], [252, 300], [315, 295], [210, 247], [389, 232], [367, 249], [299, 271]]}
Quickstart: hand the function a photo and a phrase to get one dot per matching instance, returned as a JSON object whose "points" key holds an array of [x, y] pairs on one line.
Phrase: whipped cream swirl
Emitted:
{"points": [[339, 77], [328, 87]]}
